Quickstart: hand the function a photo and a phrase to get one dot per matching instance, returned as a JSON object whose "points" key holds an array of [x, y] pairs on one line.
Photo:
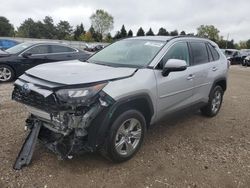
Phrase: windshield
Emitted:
{"points": [[18, 48], [138, 53]]}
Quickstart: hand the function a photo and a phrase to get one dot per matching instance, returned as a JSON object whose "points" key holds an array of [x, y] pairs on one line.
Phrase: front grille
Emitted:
{"points": [[34, 99]]}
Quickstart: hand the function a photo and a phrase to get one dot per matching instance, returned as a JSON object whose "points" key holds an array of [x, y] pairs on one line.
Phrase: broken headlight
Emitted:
{"points": [[79, 95]]}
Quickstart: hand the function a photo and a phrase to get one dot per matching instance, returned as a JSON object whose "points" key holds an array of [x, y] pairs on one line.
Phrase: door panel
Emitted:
{"points": [[174, 91]]}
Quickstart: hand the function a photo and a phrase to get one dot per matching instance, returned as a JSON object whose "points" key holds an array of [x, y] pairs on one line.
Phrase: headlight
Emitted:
{"points": [[79, 95]]}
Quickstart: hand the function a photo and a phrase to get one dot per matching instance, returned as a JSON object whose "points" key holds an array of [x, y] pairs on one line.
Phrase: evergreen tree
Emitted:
{"points": [[150, 33], [140, 32], [163, 32], [117, 35], [174, 33], [123, 32], [79, 31], [130, 33], [183, 33]]}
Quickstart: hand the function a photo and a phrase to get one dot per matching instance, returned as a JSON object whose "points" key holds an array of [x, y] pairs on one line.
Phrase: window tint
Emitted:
{"points": [[178, 51], [214, 52], [199, 52], [61, 49], [41, 49]]}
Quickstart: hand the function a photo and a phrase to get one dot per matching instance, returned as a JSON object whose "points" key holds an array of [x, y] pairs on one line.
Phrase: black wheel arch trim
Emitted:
{"points": [[98, 129], [218, 80]]}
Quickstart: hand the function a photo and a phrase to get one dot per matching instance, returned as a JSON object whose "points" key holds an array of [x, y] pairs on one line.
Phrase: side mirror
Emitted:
{"points": [[174, 65], [26, 55]]}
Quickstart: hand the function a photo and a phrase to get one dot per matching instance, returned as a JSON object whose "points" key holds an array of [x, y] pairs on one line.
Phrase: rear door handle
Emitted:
{"points": [[190, 77], [214, 69]]}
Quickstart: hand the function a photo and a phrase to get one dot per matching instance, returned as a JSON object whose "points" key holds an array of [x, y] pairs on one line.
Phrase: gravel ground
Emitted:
{"points": [[186, 151]]}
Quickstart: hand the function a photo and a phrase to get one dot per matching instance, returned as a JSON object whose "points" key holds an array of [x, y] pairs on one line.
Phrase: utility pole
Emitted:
{"points": [[227, 40]]}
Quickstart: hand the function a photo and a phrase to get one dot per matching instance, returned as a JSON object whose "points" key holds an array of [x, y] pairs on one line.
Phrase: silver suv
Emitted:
{"points": [[107, 103]]}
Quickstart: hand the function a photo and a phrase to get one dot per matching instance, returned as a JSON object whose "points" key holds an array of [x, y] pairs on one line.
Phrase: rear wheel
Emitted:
{"points": [[125, 137], [214, 103], [6, 73]]}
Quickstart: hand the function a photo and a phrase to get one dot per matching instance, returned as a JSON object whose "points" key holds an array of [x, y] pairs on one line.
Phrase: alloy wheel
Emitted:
{"points": [[5, 74], [216, 102], [128, 137]]}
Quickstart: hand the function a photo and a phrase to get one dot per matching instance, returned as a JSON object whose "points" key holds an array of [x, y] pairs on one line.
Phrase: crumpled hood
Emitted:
{"points": [[77, 72]]}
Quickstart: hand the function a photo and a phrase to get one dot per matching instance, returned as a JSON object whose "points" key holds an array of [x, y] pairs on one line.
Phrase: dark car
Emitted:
{"points": [[16, 60], [234, 56], [7, 43], [94, 48]]}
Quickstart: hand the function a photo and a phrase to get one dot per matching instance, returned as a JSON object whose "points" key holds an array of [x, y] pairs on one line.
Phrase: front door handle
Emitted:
{"points": [[190, 77], [214, 69]]}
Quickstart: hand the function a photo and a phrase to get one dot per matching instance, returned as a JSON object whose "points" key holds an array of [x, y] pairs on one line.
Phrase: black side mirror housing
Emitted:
{"points": [[26, 55]]}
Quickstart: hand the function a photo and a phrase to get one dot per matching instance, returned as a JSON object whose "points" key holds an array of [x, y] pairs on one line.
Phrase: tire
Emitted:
{"points": [[6, 73], [214, 102], [123, 142]]}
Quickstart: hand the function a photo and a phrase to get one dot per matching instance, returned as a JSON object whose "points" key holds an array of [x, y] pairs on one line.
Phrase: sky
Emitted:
{"points": [[229, 16]]}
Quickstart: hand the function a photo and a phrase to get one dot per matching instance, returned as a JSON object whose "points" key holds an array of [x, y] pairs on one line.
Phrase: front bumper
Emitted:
{"points": [[65, 130]]}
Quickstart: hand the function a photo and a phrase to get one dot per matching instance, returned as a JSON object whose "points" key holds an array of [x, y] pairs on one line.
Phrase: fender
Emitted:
{"points": [[222, 81], [100, 126]]}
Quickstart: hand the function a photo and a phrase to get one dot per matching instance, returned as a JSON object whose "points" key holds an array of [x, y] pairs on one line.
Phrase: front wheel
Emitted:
{"points": [[214, 103], [125, 137], [6, 73]]}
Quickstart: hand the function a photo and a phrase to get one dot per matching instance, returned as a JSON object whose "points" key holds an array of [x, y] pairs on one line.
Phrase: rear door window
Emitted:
{"points": [[61, 49], [199, 53]]}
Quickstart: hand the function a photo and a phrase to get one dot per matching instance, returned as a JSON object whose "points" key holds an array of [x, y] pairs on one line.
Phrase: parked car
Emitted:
{"points": [[234, 56], [16, 60], [108, 103], [94, 48], [246, 61], [7, 43]]}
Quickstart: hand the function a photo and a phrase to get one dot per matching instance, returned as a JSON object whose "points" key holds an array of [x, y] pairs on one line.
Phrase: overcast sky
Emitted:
{"points": [[229, 16]]}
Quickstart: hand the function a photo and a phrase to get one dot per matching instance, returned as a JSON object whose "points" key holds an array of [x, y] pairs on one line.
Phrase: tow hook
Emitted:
{"points": [[26, 153]]}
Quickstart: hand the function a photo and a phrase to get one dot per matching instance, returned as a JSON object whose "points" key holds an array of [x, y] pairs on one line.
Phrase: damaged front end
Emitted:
{"points": [[60, 117]]}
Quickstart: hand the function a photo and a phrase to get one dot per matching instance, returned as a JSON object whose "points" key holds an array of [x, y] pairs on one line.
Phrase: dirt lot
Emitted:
{"points": [[188, 151]]}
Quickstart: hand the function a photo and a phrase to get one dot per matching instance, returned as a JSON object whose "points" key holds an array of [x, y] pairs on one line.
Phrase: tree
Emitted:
{"points": [[102, 22], [248, 44], [208, 31], [174, 33], [123, 32], [49, 28], [150, 32], [108, 38], [6, 29], [183, 33], [163, 32], [63, 30], [79, 31], [28, 29], [87, 37], [140, 32], [117, 35], [96, 36], [130, 33], [242, 44]]}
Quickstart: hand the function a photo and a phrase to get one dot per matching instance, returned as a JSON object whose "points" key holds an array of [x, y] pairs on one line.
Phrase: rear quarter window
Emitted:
{"points": [[215, 54]]}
